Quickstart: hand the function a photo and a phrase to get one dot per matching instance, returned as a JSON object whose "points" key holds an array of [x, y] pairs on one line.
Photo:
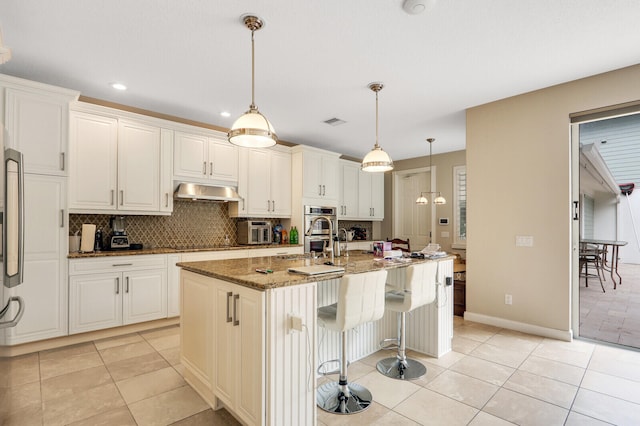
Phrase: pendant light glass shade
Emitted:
{"points": [[377, 160], [439, 199], [5, 52], [252, 129]]}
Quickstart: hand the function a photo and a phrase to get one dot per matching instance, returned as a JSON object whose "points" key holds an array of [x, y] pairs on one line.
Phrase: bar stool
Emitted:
{"points": [[360, 300], [420, 289]]}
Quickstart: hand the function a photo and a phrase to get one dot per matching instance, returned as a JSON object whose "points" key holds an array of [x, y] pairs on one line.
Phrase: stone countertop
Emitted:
{"points": [[243, 271], [169, 250]]}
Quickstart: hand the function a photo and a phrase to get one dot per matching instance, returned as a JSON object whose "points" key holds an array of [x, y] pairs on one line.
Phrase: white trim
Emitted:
{"points": [[458, 243], [395, 176], [565, 335]]}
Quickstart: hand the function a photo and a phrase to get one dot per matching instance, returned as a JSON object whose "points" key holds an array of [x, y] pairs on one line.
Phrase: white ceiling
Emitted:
{"points": [[315, 59]]}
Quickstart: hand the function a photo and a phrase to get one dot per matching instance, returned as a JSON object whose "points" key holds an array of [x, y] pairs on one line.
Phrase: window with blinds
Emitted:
{"points": [[460, 205]]}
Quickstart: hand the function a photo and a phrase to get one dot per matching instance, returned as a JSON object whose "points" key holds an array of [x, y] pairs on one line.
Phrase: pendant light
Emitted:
{"points": [[5, 52], [377, 160], [439, 199], [252, 129]]}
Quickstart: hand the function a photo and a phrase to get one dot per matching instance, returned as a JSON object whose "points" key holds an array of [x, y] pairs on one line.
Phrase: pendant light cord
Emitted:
{"points": [[377, 146], [253, 72]]}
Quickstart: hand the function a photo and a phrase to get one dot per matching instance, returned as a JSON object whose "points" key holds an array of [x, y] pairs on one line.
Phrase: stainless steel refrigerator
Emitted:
{"points": [[12, 218]]}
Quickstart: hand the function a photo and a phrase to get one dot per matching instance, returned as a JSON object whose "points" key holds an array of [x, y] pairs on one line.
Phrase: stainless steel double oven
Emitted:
{"points": [[319, 238]]}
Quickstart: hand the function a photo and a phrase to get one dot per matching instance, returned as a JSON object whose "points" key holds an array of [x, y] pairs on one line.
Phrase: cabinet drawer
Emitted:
{"points": [[276, 251], [213, 255], [116, 264]]}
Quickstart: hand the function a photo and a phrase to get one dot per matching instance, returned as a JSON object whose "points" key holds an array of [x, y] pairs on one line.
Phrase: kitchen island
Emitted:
{"points": [[249, 339]]}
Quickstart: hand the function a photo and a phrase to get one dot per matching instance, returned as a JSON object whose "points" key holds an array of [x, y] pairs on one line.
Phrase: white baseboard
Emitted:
{"points": [[566, 335]]}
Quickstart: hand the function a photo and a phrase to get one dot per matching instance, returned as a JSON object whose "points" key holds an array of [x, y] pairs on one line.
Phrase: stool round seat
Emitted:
{"points": [[419, 290], [361, 299]]}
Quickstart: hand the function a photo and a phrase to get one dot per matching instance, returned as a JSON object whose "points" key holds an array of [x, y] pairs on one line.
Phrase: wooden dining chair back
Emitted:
{"points": [[398, 244]]}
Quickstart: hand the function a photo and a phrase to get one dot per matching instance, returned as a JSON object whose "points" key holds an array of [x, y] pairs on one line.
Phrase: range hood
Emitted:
{"points": [[200, 192]]}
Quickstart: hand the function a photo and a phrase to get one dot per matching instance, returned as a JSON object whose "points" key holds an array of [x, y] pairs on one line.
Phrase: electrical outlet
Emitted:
{"points": [[296, 323], [508, 300]]}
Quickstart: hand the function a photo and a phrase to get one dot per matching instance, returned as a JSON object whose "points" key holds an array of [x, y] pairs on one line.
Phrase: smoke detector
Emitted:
{"points": [[416, 7]]}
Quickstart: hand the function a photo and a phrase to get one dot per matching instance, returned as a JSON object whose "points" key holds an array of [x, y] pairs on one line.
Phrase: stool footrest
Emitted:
{"points": [[326, 373], [390, 343]]}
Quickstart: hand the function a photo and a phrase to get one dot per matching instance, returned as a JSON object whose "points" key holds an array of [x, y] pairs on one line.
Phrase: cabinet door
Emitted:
{"points": [[258, 185], [364, 195], [95, 301], [145, 296], [173, 285], [225, 356], [311, 175], [377, 195], [281, 183], [44, 289], [196, 325], [190, 155], [38, 127], [330, 177], [93, 162], [349, 191], [249, 359], [223, 161], [166, 170], [138, 166]]}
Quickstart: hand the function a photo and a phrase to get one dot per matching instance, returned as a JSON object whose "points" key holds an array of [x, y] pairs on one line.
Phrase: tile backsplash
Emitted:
{"points": [[192, 224]]}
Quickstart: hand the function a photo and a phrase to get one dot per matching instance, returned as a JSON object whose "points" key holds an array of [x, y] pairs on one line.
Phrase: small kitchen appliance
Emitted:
{"points": [[255, 232], [119, 239]]}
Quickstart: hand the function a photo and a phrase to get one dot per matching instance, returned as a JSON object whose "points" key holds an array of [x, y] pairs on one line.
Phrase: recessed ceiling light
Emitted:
{"points": [[118, 86], [225, 114]]}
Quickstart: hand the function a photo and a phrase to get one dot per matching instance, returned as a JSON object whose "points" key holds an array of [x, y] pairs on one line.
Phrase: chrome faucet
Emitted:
{"points": [[313, 222], [346, 238]]}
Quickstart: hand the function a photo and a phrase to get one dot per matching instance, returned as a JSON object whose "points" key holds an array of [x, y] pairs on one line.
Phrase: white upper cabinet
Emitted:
{"points": [[371, 196], [116, 165], [93, 162], [36, 117], [205, 156], [318, 173], [349, 174], [264, 183], [138, 166]]}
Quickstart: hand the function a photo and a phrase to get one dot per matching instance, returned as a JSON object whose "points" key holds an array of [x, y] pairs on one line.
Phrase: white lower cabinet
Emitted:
{"points": [[223, 332], [115, 291], [173, 285]]}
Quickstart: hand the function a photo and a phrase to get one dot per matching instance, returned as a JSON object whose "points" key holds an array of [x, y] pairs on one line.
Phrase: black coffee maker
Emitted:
{"points": [[119, 239]]}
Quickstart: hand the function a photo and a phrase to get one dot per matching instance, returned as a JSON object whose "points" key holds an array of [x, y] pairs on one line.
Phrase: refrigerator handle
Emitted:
{"points": [[16, 319], [20, 218]]}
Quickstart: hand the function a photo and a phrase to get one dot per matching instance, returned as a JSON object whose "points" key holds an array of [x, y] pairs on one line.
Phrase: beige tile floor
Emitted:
{"points": [[613, 316], [492, 377]]}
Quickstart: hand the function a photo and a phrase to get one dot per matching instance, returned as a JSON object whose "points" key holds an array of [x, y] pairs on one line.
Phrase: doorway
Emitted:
{"points": [[607, 155], [412, 221]]}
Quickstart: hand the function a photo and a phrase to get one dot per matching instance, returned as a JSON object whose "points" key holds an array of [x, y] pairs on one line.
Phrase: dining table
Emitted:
{"points": [[615, 246]]}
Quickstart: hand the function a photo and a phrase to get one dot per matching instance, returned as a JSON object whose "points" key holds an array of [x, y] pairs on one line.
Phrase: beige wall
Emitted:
{"points": [[444, 164], [518, 169]]}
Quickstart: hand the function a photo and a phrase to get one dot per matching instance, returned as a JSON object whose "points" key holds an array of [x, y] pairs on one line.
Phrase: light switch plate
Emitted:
{"points": [[524, 241]]}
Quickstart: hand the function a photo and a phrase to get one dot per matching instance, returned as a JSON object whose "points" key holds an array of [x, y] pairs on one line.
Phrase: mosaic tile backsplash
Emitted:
{"points": [[191, 225]]}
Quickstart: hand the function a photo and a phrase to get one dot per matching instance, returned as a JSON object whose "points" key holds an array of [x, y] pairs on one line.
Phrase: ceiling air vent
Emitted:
{"points": [[334, 121]]}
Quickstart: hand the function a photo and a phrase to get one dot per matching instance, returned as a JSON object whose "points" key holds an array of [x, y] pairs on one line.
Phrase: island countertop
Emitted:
{"points": [[243, 271]]}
